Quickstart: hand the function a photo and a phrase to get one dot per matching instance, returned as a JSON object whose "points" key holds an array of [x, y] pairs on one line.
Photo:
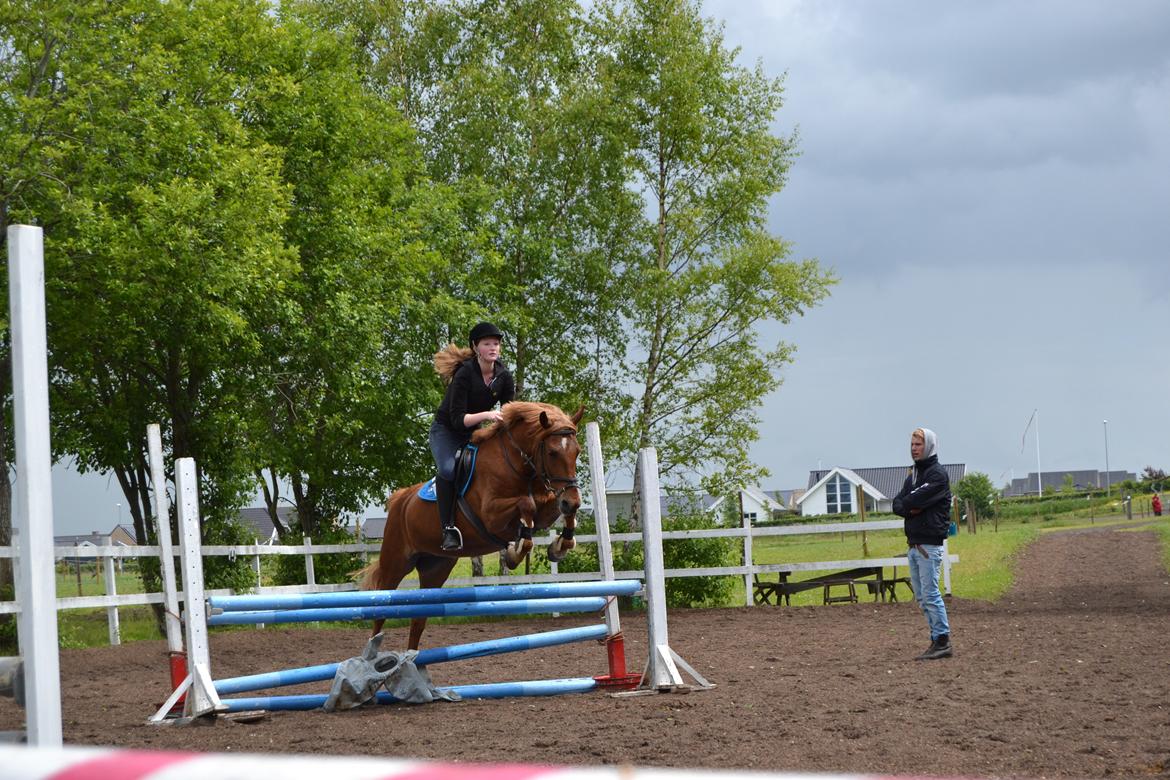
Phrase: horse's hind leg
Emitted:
{"points": [[432, 573]]}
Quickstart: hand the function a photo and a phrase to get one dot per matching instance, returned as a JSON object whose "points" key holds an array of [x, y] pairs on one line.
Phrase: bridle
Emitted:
{"points": [[540, 472]]}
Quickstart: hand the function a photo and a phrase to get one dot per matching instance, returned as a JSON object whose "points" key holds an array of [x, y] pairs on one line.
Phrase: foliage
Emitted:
{"points": [[221, 571], [328, 568], [511, 113], [1151, 474], [977, 488], [262, 219], [355, 355], [694, 554]]}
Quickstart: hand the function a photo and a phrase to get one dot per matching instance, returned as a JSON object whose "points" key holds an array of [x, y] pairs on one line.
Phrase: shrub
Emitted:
{"points": [[221, 571]]}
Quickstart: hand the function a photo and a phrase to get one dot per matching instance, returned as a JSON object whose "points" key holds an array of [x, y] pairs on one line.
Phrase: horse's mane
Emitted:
{"points": [[523, 417], [448, 359]]}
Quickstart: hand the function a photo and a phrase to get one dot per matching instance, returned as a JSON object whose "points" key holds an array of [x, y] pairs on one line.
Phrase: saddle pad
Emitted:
{"points": [[467, 456]]}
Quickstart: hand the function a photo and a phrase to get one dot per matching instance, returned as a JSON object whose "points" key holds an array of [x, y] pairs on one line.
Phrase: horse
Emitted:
{"points": [[525, 480]]}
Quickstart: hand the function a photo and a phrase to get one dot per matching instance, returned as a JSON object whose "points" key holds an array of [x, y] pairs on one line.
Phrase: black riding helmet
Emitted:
{"points": [[482, 331]]}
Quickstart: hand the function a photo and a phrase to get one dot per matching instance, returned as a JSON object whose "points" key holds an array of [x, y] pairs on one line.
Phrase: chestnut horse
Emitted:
{"points": [[525, 479]]}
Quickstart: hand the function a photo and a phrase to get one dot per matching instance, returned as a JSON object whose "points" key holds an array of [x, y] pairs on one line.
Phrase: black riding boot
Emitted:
{"points": [[445, 494], [940, 647]]}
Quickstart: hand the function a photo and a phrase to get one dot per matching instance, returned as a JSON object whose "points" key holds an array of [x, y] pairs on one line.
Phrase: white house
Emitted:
{"points": [[756, 505], [834, 491]]}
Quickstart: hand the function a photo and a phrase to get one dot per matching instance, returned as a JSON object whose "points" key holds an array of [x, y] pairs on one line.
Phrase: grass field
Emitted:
{"points": [[985, 571]]}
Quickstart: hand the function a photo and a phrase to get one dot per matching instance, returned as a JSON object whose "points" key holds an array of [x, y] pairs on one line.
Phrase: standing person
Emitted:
{"points": [[925, 503], [476, 382], [1156, 503]]}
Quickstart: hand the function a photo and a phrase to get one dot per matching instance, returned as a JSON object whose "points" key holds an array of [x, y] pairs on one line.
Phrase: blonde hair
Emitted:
{"points": [[448, 359]]}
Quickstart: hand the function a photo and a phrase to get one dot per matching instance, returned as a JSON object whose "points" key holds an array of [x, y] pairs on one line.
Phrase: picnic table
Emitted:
{"points": [[831, 584]]}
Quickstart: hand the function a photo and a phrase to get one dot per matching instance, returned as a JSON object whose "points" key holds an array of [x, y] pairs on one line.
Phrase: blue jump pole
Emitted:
{"points": [[379, 598], [522, 607], [485, 691], [256, 682]]}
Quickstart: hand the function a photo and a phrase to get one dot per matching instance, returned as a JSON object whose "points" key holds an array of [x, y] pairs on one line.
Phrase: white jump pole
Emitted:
{"points": [[33, 497], [174, 628]]}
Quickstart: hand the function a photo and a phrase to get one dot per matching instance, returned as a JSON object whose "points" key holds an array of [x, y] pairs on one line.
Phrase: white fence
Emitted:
{"points": [[107, 555]]}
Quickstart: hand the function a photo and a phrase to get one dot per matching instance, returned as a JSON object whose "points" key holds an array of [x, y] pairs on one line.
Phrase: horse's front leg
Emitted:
{"points": [[559, 547], [516, 552]]}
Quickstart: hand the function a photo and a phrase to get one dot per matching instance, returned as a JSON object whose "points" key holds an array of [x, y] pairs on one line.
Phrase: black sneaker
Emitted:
{"points": [[452, 539]]}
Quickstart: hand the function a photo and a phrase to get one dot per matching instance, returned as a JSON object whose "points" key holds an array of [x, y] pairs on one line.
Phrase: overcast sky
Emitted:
{"points": [[991, 183]]}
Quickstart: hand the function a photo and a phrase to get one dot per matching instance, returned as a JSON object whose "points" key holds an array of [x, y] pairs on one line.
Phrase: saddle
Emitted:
{"points": [[464, 471]]}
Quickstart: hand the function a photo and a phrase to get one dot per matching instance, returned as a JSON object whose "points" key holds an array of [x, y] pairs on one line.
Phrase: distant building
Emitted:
{"points": [[121, 535], [1082, 479], [834, 491], [258, 519], [758, 505]]}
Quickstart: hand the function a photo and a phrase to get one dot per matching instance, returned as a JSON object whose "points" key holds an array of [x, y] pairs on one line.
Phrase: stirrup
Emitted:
{"points": [[452, 538]]}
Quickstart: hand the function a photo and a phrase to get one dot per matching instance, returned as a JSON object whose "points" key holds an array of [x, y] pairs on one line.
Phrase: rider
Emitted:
{"points": [[474, 387]]}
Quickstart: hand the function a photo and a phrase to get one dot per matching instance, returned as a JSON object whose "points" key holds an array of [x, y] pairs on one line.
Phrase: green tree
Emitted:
{"points": [[977, 488], [163, 219], [339, 420], [708, 274]]}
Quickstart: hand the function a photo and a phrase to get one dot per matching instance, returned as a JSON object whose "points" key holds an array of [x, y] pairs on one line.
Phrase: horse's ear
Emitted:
{"points": [[577, 415], [544, 423]]}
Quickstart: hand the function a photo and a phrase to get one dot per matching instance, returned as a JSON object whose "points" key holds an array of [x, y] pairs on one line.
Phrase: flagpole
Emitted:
{"points": [[1039, 473]]}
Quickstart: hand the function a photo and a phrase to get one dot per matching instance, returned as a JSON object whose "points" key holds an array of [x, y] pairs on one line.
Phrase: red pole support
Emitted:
{"points": [[178, 671], [618, 678]]}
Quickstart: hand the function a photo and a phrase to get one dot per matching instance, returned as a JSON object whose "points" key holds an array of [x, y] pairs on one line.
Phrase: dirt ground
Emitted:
{"points": [[1067, 676]]}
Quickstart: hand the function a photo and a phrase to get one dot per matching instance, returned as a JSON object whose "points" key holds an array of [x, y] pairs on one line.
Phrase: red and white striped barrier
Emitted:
{"points": [[91, 763]]}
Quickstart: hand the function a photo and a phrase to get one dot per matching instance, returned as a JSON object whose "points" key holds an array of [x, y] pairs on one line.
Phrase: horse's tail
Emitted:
{"points": [[371, 574], [448, 359]]}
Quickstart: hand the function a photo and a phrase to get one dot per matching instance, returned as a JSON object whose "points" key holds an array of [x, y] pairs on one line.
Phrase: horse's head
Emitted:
{"points": [[546, 439]]}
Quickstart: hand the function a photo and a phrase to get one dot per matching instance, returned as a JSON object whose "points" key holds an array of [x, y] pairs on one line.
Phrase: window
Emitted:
{"points": [[838, 495], [749, 516]]}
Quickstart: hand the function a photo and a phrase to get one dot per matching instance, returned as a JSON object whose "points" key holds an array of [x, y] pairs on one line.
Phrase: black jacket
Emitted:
{"points": [[467, 394], [927, 488]]}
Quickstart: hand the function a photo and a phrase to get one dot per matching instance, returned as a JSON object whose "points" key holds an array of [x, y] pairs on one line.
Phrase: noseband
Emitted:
{"points": [[541, 472]]}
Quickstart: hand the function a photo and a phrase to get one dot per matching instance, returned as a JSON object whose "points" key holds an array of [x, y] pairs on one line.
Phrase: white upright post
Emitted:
{"points": [[310, 571], [946, 567], [33, 495], [662, 668], [166, 548], [662, 673], [748, 577], [601, 516], [111, 581], [202, 698]]}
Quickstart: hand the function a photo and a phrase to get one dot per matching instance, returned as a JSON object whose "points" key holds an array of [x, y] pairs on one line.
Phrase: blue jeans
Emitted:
{"points": [[444, 444], [924, 578]]}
